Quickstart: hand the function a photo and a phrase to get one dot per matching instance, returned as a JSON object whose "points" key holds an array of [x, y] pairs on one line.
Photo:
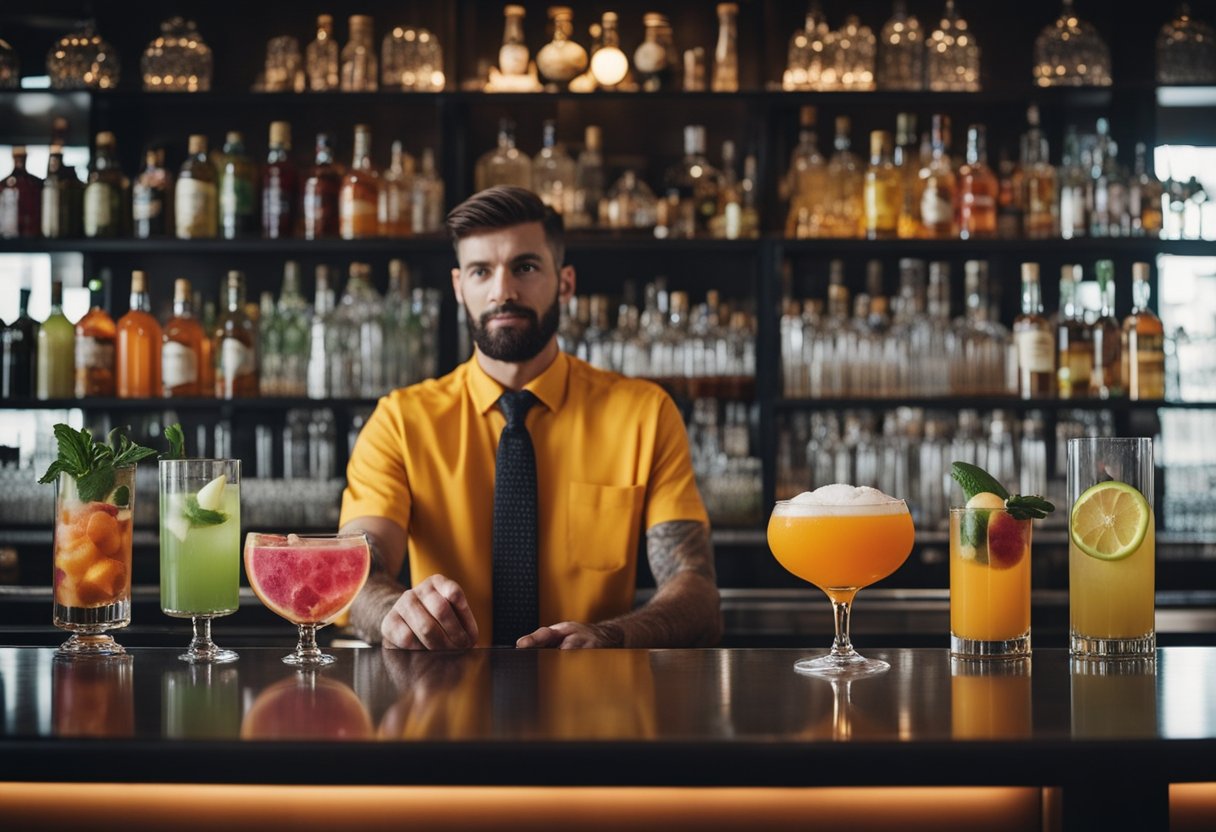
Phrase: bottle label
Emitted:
{"points": [[936, 208], [236, 359], [147, 203], [50, 212], [98, 209], [236, 198], [1036, 351], [93, 353], [8, 213], [358, 216], [178, 365], [196, 210]]}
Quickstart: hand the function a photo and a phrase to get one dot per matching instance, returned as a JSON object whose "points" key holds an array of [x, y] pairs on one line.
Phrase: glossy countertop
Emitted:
{"points": [[606, 717]]}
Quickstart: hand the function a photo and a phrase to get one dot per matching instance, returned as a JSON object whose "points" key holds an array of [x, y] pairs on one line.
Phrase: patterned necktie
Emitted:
{"points": [[514, 546]]}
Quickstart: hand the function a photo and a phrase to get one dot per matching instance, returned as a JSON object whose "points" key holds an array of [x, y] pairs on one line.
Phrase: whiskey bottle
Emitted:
{"points": [[139, 341], [107, 194], [1033, 340], [846, 181], [237, 190], [1143, 342], [195, 203], [806, 182], [395, 210], [320, 201], [906, 159], [726, 52], [1074, 344], [588, 181], [938, 185], [280, 184], [1106, 380], [359, 196], [95, 340], [883, 189], [1041, 201], [427, 197], [182, 356], [234, 345], [150, 203], [978, 189]]}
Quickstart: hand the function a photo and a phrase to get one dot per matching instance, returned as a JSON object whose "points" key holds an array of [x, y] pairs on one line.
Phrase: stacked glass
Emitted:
{"points": [[1071, 53], [411, 60], [1186, 51], [83, 60], [177, 60]]}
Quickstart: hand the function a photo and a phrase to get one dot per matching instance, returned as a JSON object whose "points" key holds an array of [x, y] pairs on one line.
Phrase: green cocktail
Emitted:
{"points": [[200, 524]]}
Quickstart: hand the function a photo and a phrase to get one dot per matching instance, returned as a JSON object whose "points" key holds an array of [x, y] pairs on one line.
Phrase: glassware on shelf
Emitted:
{"points": [[850, 59], [411, 60], [588, 181], [1186, 50], [561, 59], [395, 205], [284, 70], [321, 57], [630, 204], [726, 51], [515, 71], [426, 199], [505, 164], [656, 57], [177, 60], [807, 51], [901, 53], [609, 65], [359, 57], [954, 56], [553, 173], [1071, 53], [83, 60], [10, 67]]}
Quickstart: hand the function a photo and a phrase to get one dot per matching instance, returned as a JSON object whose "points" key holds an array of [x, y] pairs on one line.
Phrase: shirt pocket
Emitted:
{"points": [[603, 524]]}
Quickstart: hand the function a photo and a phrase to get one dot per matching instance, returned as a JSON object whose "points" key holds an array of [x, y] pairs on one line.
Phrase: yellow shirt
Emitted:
{"points": [[611, 455]]}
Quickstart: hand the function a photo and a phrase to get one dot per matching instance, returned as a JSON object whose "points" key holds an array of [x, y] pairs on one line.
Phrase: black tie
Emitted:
{"points": [[514, 546]]}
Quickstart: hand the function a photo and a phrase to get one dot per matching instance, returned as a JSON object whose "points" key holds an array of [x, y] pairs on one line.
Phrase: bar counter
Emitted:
{"points": [[1109, 737]]}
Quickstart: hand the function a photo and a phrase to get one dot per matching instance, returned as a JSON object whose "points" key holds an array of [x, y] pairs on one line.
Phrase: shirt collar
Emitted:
{"points": [[549, 387]]}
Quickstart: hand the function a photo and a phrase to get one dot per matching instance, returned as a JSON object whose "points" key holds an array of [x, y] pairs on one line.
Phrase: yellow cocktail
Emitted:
{"points": [[989, 583], [1113, 599], [841, 539]]}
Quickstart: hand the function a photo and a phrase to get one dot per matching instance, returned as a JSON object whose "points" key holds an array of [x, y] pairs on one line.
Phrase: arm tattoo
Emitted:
{"points": [[377, 596], [679, 546]]}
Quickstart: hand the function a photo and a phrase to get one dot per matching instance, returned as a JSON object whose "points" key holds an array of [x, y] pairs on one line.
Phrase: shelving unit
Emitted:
{"points": [[641, 130]]}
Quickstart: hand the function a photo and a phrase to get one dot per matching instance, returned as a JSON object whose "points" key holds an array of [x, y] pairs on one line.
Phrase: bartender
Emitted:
{"points": [[519, 484]]}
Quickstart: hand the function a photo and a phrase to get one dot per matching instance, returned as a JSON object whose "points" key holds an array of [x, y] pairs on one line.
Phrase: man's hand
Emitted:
{"points": [[434, 615], [568, 635]]}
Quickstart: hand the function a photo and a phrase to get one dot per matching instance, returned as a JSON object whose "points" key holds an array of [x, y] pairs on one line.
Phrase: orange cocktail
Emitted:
{"points": [[841, 538], [989, 583]]}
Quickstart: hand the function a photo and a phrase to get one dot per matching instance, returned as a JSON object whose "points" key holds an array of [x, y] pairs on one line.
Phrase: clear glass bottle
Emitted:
{"points": [[181, 356], [411, 60], [806, 182], [322, 57], [1070, 52], [609, 65], [553, 173], [655, 57], [1144, 198], [62, 199], [280, 185], [504, 165], [1074, 342], [901, 51], [883, 189], [95, 337], [1034, 341], [139, 344], [807, 51], [726, 51], [978, 188], [845, 211], [237, 190], [55, 353], [234, 344], [318, 337], [588, 181], [906, 159], [295, 318], [270, 348], [697, 183], [561, 59], [427, 197], [1143, 342], [852, 56], [1041, 200], [195, 196], [1074, 189], [319, 203], [938, 185], [360, 71], [107, 194], [513, 54], [359, 196], [629, 203], [954, 56], [151, 205], [395, 209], [1105, 379], [20, 201]]}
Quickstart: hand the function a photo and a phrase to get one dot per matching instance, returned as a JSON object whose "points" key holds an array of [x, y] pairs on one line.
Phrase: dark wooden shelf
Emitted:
{"points": [[259, 405], [984, 403]]}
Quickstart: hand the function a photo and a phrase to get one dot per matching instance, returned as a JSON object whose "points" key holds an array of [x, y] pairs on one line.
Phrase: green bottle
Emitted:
{"points": [[56, 367]]}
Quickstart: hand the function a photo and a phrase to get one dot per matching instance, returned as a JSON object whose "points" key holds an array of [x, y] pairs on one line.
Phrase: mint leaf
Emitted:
{"points": [[75, 453], [52, 473], [177, 442], [133, 454], [91, 463], [122, 496], [1028, 507], [96, 484], [199, 516]]}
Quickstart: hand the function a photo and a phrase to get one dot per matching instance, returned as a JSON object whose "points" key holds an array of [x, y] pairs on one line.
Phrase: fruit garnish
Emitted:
{"points": [[91, 463], [211, 495], [986, 499], [984, 492], [199, 516], [1006, 540], [1109, 520], [975, 480]]}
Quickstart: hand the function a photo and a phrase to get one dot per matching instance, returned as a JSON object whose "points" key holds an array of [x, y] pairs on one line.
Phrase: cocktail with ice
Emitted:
{"points": [[841, 538], [308, 579]]}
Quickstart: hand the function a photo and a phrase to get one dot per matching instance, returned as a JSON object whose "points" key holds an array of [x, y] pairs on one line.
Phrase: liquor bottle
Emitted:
{"points": [[938, 185], [883, 189], [280, 185], [182, 357], [727, 222], [1143, 342], [1074, 344], [1105, 379], [588, 181], [427, 197], [845, 209], [1108, 191], [95, 340], [270, 348], [655, 58], [1010, 201], [359, 67], [206, 363], [1145, 197], [609, 64], [905, 158], [140, 340], [320, 201], [107, 194], [696, 182], [553, 173], [359, 194], [318, 341], [978, 189], [322, 57], [295, 317], [55, 367], [1034, 341], [18, 353], [237, 190], [62, 199], [726, 52], [513, 54], [1041, 201], [504, 165], [20, 201], [1074, 190], [806, 182], [561, 59], [395, 207], [234, 344], [195, 198], [750, 222], [150, 201]]}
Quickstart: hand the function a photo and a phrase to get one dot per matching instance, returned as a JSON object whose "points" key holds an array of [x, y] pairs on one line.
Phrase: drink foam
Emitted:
{"points": [[842, 500]]}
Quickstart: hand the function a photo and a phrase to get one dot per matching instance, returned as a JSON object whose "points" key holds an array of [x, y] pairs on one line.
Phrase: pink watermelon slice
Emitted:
{"points": [[307, 583]]}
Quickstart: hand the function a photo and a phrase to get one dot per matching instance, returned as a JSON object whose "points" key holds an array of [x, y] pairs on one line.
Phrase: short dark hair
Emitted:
{"points": [[502, 207]]}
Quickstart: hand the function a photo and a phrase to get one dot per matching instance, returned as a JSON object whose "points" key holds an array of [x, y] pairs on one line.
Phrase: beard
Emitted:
{"points": [[514, 344]]}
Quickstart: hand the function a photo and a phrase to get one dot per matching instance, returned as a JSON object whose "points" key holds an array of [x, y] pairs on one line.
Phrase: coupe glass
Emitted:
{"points": [[92, 557], [200, 545], [82, 60], [308, 579], [841, 549], [1071, 53]]}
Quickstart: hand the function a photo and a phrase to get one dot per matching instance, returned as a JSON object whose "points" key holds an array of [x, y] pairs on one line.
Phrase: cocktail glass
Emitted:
{"points": [[308, 579], [1110, 598], [989, 584], [200, 547], [841, 549], [92, 557]]}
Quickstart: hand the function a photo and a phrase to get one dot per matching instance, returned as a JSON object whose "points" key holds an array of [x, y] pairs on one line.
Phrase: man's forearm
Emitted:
{"points": [[684, 612], [372, 604]]}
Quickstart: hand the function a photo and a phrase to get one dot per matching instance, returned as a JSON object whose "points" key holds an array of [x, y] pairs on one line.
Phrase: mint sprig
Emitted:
{"points": [[1028, 507], [92, 463], [199, 516], [177, 442]]}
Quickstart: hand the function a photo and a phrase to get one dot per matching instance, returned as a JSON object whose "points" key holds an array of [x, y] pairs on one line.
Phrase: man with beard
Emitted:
{"points": [[519, 484]]}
